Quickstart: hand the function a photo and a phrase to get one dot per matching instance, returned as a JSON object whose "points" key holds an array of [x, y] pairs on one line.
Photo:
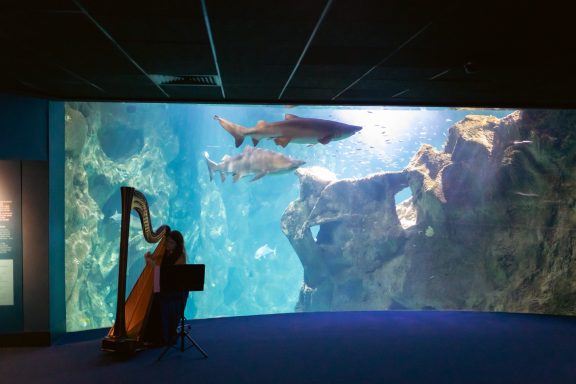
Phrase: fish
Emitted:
{"points": [[256, 161], [293, 129], [117, 216], [526, 194], [264, 251]]}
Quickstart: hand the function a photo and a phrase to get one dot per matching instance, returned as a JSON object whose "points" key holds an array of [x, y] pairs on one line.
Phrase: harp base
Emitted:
{"points": [[124, 345]]}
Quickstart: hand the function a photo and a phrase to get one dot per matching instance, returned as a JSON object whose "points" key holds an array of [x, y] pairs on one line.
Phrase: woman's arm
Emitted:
{"points": [[151, 261], [149, 258]]}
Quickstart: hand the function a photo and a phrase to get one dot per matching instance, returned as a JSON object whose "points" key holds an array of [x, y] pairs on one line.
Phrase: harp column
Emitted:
{"points": [[120, 323]]}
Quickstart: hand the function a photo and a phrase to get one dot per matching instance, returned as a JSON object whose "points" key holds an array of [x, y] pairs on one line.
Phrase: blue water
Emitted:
{"points": [[233, 228]]}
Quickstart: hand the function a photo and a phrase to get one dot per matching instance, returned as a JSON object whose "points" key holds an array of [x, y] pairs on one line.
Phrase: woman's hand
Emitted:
{"points": [[149, 258]]}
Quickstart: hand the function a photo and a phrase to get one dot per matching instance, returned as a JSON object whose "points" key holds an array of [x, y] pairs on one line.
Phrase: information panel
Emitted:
{"points": [[6, 282], [10, 246], [6, 218]]}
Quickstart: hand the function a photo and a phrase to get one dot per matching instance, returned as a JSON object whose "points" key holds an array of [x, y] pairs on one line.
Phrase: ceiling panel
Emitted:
{"points": [[442, 52], [260, 42]]}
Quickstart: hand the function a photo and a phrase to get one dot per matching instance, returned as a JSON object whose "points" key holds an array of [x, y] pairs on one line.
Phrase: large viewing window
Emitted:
{"points": [[423, 208]]}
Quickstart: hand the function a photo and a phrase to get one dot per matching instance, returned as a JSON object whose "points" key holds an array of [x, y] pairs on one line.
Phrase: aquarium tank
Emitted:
{"points": [[326, 208]]}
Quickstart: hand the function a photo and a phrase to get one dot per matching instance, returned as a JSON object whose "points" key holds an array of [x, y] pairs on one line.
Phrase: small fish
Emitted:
{"points": [[117, 216], [264, 251], [522, 142], [526, 194], [292, 129], [259, 162]]}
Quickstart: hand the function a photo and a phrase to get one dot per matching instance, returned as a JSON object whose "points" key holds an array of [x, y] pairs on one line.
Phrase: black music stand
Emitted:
{"points": [[183, 279]]}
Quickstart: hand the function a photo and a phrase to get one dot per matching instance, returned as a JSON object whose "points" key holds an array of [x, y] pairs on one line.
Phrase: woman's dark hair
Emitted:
{"points": [[179, 250]]}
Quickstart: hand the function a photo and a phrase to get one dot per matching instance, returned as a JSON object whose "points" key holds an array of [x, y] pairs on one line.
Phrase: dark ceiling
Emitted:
{"points": [[402, 52]]}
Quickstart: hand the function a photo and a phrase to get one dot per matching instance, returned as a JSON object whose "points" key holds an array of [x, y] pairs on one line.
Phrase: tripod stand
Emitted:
{"points": [[182, 279], [183, 335]]}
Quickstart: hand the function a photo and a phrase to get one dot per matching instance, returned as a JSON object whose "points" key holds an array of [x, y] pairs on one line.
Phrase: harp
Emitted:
{"points": [[132, 313]]}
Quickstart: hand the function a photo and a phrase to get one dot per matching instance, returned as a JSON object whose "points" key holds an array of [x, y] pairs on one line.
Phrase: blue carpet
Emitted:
{"points": [[343, 347]]}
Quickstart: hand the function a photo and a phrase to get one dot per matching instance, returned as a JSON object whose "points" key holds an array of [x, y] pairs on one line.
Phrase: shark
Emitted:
{"points": [[252, 161], [293, 129]]}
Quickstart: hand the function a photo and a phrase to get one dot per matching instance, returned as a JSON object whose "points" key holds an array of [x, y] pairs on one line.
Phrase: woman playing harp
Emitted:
{"points": [[132, 313], [166, 307]]}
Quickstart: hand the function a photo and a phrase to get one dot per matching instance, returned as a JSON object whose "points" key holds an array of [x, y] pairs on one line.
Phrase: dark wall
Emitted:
{"points": [[35, 246], [23, 128], [26, 126], [56, 225]]}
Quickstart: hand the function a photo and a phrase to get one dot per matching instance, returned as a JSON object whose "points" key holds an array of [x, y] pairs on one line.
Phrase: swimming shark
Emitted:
{"points": [[292, 129], [260, 162]]}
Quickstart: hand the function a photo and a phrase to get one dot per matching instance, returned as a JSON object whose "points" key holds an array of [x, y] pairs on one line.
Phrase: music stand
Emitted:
{"points": [[182, 278]]}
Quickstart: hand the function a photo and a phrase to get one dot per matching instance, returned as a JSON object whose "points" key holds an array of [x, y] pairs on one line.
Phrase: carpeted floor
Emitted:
{"points": [[346, 347]]}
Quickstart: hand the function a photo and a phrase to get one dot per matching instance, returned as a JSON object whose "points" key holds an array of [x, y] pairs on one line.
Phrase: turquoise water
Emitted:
{"points": [[233, 228]]}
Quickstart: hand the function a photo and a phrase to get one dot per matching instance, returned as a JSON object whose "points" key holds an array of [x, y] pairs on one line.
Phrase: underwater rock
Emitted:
{"points": [[119, 139], [471, 139], [349, 213], [425, 180], [489, 225], [312, 181], [76, 130], [96, 167]]}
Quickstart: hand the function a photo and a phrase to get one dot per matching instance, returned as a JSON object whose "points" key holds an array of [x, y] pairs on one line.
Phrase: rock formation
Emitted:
{"points": [[95, 168], [494, 217]]}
